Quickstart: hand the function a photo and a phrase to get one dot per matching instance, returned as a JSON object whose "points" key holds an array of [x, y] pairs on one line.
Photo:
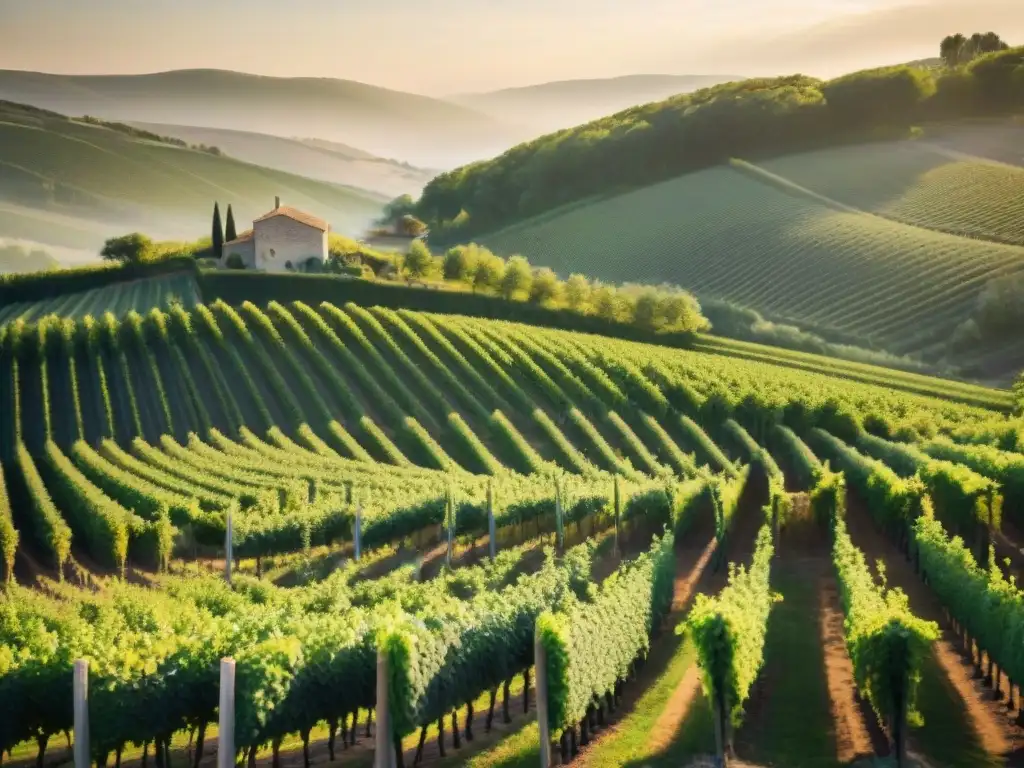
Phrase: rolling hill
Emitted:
{"points": [[552, 106], [388, 123], [327, 161], [837, 242], [72, 183]]}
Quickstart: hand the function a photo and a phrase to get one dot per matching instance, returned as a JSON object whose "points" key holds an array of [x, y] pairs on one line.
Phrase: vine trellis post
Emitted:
{"points": [[80, 691], [226, 722], [384, 746], [540, 661], [229, 546], [490, 521], [357, 533]]}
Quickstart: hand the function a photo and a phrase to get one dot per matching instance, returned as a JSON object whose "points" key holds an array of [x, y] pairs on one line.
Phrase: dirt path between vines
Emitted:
{"points": [[988, 718], [856, 730], [694, 575]]}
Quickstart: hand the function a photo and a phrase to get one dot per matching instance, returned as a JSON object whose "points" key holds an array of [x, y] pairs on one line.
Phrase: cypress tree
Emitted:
{"points": [[218, 233], [229, 227]]}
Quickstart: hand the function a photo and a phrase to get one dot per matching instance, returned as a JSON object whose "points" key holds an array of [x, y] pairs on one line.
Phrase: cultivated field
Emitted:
{"points": [[622, 479], [119, 298], [719, 232], [919, 183]]}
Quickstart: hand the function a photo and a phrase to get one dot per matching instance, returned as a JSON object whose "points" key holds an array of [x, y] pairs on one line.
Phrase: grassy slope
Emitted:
{"points": [[340, 166], [792, 253], [102, 173]]}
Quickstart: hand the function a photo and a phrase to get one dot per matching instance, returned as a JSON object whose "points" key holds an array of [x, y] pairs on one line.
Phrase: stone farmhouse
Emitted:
{"points": [[283, 240]]}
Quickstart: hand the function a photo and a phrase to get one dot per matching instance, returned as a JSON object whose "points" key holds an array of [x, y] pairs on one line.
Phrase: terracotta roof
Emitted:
{"points": [[294, 213], [245, 237]]}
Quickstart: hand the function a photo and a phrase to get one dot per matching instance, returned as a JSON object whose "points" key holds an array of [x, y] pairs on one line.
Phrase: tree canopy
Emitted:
{"points": [[753, 118], [131, 248], [958, 49]]}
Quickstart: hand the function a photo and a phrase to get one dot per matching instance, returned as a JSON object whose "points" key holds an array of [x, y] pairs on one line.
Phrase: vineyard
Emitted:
{"points": [[119, 298], [322, 491], [894, 255], [917, 183]]}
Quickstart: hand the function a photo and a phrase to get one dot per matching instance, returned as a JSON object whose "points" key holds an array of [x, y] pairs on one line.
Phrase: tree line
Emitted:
{"points": [[753, 118], [474, 267]]}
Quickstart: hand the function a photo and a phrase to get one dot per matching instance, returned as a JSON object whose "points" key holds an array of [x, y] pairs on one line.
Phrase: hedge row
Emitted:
{"points": [[591, 645]]}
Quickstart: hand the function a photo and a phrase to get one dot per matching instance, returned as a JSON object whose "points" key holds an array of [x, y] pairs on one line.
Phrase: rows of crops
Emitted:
{"points": [[118, 298], [718, 232], [130, 441], [167, 422], [917, 183]]}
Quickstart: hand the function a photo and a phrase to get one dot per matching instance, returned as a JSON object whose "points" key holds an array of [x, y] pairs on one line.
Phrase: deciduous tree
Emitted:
{"points": [[128, 249], [545, 286], [517, 278], [418, 261], [459, 263], [490, 270], [577, 292]]}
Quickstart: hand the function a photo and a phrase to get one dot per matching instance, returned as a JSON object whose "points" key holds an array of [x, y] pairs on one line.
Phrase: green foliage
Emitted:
{"points": [[489, 272], [51, 534], [958, 49], [102, 524], [987, 605], [806, 467], [894, 502], [887, 643], [230, 232], [459, 263], [418, 262], [8, 535], [217, 236], [592, 644], [729, 630], [966, 501], [133, 248], [517, 278], [544, 288], [876, 97]]}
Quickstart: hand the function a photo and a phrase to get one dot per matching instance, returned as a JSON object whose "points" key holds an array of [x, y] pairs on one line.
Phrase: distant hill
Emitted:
{"points": [[387, 123], [888, 245], [14, 258], [325, 160], [69, 183], [552, 106], [753, 118]]}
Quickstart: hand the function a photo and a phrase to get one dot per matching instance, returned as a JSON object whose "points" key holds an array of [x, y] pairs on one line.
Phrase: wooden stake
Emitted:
{"points": [[540, 660], [229, 548], [357, 533], [384, 748], [490, 520], [226, 724], [80, 690]]}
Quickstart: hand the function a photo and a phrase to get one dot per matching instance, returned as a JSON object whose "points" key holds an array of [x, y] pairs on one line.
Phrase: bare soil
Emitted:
{"points": [[988, 717]]}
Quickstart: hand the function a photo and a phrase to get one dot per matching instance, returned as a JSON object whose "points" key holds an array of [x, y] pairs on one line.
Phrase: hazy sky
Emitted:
{"points": [[450, 46]]}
